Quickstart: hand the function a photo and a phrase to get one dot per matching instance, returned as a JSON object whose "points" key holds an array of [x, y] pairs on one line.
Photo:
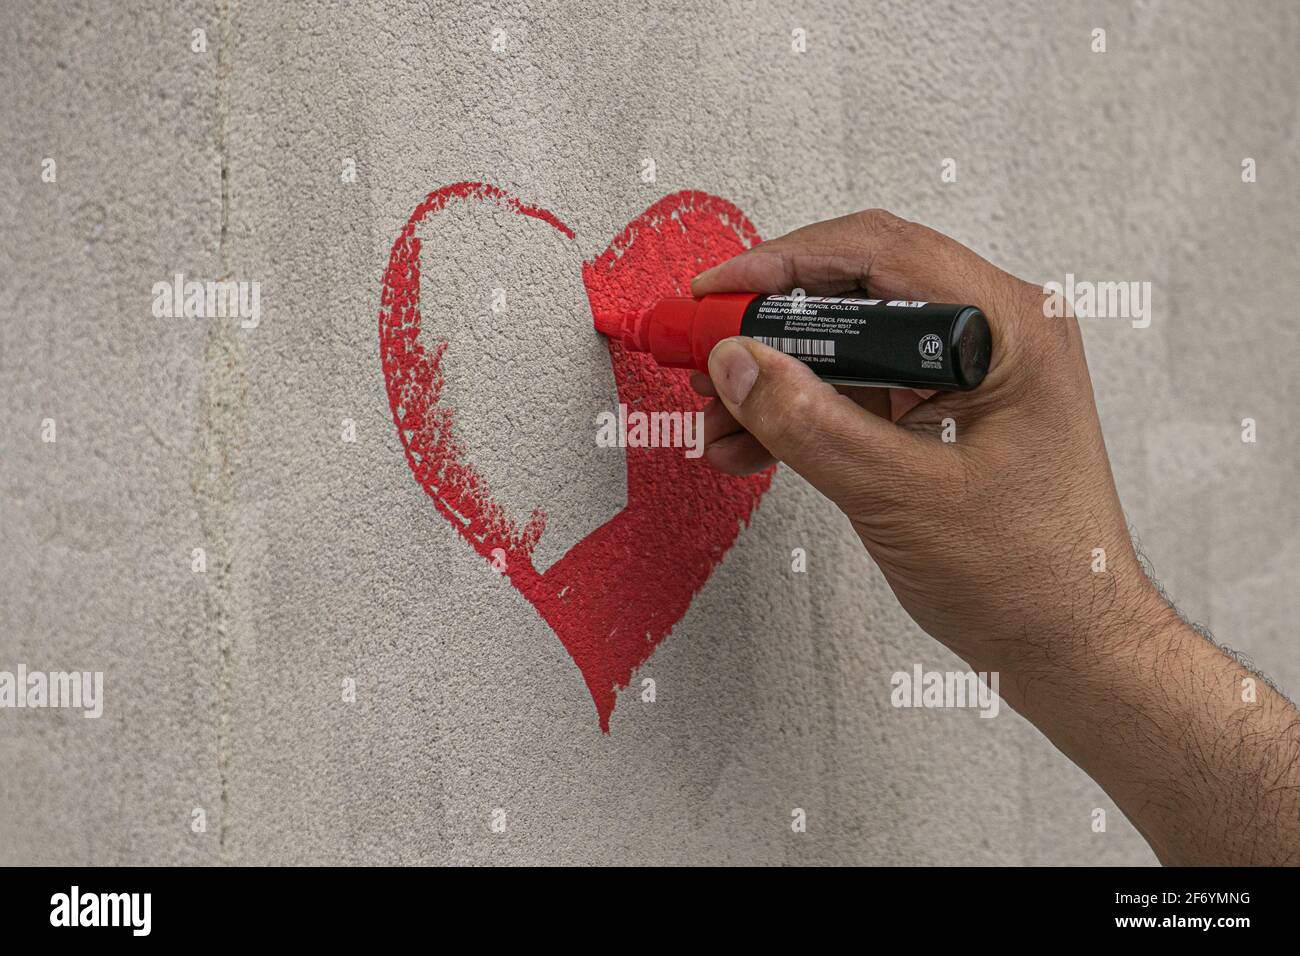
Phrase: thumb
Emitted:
{"points": [[845, 452]]}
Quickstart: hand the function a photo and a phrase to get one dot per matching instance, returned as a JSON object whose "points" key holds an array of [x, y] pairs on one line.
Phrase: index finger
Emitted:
{"points": [[873, 250]]}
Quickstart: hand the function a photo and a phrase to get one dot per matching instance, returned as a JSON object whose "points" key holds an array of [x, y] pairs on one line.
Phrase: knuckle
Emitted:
{"points": [[896, 239], [789, 271], [877, 220]]}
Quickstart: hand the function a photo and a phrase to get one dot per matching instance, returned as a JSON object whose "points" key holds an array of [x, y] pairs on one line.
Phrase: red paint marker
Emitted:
{"points": [[850, 341]]}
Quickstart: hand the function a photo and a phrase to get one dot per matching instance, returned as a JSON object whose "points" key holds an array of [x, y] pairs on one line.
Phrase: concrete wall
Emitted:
{"points": [[327, 561]]}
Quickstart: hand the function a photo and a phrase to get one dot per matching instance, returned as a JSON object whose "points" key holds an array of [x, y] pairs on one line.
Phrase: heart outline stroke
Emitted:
{"points": [[616, 594]]}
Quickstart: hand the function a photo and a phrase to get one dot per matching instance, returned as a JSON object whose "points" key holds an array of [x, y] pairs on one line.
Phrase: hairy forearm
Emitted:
{"points": [[1202, 755]]}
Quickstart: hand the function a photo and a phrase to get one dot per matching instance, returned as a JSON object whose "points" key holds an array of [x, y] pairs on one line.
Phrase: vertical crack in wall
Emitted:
{"points": [[223, 415]]}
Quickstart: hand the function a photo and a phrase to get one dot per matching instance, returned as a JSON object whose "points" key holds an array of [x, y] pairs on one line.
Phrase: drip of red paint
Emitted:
{"points": [[619, 591]]}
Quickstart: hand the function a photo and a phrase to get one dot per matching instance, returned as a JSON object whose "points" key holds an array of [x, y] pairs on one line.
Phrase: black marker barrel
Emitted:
{"points": [[896, 343]]}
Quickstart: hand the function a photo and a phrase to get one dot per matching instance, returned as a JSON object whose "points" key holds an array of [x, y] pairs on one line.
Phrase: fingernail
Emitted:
{"points": [[733, 370]]}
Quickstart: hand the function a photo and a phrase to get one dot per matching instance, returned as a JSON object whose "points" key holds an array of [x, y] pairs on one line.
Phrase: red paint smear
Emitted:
{"points": [[619, 591]]}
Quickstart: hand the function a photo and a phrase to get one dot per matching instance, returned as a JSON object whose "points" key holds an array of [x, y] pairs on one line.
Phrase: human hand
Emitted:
{"points": [[994, 541], [983, 509]]}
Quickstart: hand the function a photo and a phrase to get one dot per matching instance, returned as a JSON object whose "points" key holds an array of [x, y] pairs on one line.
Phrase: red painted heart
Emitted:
{"points": [[619, 591]]}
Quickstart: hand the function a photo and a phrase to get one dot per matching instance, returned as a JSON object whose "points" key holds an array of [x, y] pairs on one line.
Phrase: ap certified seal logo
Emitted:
{"points": [[931, 349]]}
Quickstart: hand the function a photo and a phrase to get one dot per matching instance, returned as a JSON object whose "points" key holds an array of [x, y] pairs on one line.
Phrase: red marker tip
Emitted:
{"points": [[629, 329], [612, 323]]}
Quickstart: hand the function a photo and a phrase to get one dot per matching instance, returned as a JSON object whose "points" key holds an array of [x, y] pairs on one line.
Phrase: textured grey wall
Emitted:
{"points": [[327, 561]]}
